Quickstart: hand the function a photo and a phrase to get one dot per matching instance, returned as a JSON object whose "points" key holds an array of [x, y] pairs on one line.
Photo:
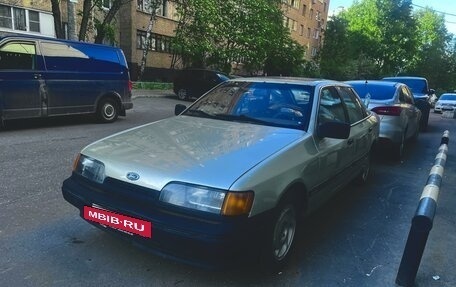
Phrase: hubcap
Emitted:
{"points": [[284, 233], [109, 111]]}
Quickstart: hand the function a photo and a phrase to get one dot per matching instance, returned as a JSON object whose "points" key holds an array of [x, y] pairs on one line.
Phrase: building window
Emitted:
{"points": [[314, 52], [311, 13], [19, 19], [144, 5], [159, 43], [294, 26], [301, 32], [106, 4], [34, 21], [163, 9], [304, 10], [6, 20], [308, 32], [16, 19], [295, 3]]}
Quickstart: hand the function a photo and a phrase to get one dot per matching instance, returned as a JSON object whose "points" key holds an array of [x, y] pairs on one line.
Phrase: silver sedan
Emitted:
{"points": [[394, 103], [228, 178]]}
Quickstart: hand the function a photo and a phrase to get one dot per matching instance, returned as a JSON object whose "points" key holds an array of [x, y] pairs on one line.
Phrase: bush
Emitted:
{"points": [[152, 86]]}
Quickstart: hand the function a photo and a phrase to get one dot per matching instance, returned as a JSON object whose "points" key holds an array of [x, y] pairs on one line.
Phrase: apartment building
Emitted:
{"points": [[26, 17], [306, 20]]}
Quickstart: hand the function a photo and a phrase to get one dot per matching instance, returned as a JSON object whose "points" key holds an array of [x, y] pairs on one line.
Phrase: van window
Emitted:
{"points": [[64, 57], [17, 56]]}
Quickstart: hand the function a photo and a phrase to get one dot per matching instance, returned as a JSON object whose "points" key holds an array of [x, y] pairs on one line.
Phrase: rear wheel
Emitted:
{"points": [[182, 94], [107, 111]]}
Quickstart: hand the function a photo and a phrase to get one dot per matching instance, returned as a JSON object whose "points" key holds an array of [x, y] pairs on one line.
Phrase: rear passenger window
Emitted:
{"points": [[18, 56], [354, 108]]}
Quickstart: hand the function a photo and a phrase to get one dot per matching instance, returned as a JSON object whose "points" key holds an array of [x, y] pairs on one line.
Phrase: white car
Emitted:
{"points": [[446, 102], [231, 175]]}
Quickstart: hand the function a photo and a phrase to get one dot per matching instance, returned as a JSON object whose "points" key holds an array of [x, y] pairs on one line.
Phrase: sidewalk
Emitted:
{"points": [[151, 93]]}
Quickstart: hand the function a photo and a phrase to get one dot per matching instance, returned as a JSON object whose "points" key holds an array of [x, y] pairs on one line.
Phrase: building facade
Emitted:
{"points": [[306, 20]]}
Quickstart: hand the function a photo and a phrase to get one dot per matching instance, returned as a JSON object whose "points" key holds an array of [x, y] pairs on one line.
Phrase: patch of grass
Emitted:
{"points": [[152, 86]]}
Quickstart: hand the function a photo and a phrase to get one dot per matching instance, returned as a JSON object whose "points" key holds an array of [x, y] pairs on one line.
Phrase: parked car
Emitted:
{"points": [[422, 94], [42, 77], [394, 103], [230, 175], [446, 102], [192, 83]]}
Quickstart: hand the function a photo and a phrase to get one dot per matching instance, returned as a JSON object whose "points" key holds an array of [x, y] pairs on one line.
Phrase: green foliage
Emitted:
{"points": [[376, 38], [152, 85], [220, 33]]}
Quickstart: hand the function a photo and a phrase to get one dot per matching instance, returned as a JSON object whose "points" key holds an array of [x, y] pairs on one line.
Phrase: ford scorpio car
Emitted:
{"points": [[230, 176]]}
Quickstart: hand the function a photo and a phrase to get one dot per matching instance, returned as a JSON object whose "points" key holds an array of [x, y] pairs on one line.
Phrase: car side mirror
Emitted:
{"points": [[431, 91], [335, 130], [179, 108]]}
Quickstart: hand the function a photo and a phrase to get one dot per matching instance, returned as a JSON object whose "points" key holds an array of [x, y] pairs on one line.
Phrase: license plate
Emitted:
{"points": [[118, 221]]}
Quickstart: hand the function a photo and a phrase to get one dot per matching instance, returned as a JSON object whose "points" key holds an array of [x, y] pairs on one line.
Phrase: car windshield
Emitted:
{"points": [[375, 92], [448, 97], [274, 104]]}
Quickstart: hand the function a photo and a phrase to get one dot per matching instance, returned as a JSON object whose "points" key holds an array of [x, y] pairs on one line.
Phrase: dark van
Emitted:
{"points": [[193, 83], [42, 77]]}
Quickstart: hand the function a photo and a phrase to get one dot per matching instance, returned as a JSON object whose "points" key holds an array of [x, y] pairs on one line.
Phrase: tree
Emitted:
{"points": [[153, 6], [220, 33]]}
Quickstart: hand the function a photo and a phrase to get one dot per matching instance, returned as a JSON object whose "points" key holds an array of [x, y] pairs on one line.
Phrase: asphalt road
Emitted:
{"points": [[357, 239]]}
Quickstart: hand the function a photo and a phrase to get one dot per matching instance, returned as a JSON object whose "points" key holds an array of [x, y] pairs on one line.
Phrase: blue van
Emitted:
{"points": [[42, 77]]}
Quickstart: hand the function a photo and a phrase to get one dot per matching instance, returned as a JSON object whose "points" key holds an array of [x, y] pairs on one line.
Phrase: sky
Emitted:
{"points": [[446, 6]]}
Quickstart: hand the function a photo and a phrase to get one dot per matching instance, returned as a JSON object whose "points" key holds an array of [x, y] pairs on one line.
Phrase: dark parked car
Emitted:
{"points": [[192, 83], [42, 77], [231, 175], [394, 103], [421, 93]]}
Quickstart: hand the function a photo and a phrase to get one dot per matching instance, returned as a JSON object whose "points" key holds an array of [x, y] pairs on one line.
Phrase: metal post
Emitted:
{"points": [[423, 219]]}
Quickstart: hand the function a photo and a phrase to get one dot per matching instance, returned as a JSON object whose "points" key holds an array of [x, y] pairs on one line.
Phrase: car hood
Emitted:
{"points": [[189, 149]]}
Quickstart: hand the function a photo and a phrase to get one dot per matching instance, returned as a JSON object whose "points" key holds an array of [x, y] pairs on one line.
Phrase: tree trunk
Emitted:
{"points": [[59, 32], [101, 30], [86, 10], [154, 4]]}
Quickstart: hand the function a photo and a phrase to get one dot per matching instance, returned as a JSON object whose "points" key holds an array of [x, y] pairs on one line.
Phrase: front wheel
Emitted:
{"points": [[281, 237], [107, 111]]}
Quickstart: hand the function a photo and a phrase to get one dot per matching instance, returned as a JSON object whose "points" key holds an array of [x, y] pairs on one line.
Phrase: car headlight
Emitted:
{"points": [[207, 199], [89, 168]]}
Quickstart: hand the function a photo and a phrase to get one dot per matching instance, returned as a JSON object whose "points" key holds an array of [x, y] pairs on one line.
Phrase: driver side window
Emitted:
{"points": [[330, 108]]}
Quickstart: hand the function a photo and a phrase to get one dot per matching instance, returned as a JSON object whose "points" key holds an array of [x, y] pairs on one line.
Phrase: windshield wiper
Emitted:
{"points": [[242, 118], [200, 113]]}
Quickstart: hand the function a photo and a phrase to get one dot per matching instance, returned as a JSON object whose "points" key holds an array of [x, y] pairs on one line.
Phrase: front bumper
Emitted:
{"points": [[192, 237]]}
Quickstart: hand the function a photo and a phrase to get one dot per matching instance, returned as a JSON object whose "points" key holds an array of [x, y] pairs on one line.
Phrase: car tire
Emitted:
{"points": [[281, 237], [182, 94], [107, 111], [364, 175]]}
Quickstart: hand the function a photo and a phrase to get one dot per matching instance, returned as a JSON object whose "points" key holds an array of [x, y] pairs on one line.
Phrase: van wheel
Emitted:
{"points": [[107, 110], [182, 94], [281, 237]]}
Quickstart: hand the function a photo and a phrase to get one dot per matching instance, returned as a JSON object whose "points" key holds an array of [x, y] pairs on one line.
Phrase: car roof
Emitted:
{"points": [[404, 77], [287, 80], [449, 94], [35, 37], [374, 83]]}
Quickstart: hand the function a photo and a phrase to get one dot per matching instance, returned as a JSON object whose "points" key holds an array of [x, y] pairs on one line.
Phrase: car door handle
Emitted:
{"points": [[37, 76], [350, 142]]}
